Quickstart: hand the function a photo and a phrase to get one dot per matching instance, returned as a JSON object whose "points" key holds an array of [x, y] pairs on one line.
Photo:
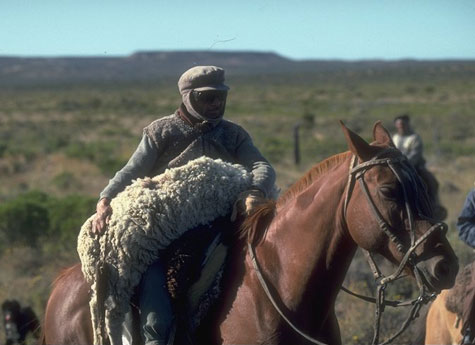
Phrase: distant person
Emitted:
{"points": [[18, 322], [466, 220], [410, 144], [196, 129]]}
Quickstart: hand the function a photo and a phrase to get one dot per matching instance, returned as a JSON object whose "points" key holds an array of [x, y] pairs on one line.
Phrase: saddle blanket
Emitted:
{"points": [[147, 216]]}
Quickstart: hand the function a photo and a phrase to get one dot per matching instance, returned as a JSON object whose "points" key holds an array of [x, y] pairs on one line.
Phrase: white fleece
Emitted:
{"points": [[147, 216]]}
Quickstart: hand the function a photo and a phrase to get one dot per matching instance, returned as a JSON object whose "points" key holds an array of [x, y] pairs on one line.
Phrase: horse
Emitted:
{"points": [[19, 322], [281, 288], [453, 311]]}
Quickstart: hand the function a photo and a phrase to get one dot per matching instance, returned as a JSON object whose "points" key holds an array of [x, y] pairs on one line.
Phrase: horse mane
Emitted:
{"points": [[310, 176], [455, 297], [254, 226], [64, 272]]}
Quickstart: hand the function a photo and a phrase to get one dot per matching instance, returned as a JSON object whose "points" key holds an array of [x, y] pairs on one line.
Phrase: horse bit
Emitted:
{"points": [[357, 172]]}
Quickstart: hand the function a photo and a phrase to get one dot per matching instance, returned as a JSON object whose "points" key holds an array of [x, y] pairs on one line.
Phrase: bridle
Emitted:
{"points": [[398, 165]]}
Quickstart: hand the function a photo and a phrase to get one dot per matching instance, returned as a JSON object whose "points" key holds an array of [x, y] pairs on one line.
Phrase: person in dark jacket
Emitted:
{"points": [[466, 228], [197, 128], [466, 220]]}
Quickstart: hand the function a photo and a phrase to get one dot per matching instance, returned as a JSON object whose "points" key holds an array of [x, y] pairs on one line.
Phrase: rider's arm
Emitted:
{"points": [[466, 220], [263, 175], [139, 165]]}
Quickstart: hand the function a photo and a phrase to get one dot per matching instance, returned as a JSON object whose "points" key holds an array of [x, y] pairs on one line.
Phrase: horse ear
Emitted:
{"points": [[358, 145], [381, 134]]}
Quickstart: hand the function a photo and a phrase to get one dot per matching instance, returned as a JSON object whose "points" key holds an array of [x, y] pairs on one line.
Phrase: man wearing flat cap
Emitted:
{"points": [[196, 129]]}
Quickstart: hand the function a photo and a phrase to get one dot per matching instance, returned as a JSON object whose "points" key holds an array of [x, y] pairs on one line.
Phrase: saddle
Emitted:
{"points": [[194, 263]]}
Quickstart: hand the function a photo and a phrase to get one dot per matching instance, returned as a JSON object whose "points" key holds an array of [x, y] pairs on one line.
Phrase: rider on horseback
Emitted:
{"points": [[196, 129], [410, 144]]}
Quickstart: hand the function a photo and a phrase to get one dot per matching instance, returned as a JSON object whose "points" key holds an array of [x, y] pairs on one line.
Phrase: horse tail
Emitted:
{"points": [[31, 322], [102, 289]]}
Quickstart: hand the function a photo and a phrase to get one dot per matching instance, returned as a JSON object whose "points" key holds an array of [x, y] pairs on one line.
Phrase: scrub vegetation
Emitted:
{"points": [[59, 145]]}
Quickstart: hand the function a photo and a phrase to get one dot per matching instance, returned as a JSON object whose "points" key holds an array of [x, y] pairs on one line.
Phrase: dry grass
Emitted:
{"points": [[45, 126]]}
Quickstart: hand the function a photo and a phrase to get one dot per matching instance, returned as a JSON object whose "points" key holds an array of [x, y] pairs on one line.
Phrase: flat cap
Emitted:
{"points": [[201, 78]]}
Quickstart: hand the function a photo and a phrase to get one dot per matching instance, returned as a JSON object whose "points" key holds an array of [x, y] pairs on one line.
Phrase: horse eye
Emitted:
{"points": [[389, 193]]}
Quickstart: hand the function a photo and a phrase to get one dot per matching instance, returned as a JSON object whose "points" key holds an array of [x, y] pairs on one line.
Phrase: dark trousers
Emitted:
{"points": [[156, 313]]}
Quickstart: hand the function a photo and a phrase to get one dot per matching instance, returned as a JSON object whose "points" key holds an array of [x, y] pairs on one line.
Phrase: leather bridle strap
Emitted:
{"points": [[383, 225], [357, 173]]}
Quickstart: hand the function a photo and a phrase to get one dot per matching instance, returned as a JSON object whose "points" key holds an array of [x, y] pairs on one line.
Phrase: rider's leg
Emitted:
{"points": [[156, 313]]}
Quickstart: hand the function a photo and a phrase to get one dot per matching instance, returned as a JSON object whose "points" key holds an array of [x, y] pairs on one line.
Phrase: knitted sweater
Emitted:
{"points": [[170, 142]]}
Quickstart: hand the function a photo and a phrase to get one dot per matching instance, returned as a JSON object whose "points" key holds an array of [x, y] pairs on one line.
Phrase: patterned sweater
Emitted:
{"points": [[170, 142]]}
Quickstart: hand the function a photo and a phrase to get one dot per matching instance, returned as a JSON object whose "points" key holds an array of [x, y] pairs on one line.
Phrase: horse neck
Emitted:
{"points": [[308, 250]]}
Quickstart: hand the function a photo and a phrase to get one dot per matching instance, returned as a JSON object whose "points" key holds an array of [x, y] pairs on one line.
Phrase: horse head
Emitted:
{"points": [[388, 212], [11, 310]]}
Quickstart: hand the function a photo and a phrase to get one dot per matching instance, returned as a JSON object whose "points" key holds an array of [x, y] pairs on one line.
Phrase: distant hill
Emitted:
{"points": [[152, 66]]}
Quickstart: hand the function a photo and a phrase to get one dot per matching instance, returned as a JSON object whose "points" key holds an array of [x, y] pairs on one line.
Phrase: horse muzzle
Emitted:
{"points": [[438, 272]]}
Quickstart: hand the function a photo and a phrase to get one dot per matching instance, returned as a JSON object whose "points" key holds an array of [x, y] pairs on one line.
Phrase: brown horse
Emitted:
{"points": [[304, 252], [453, 311]]}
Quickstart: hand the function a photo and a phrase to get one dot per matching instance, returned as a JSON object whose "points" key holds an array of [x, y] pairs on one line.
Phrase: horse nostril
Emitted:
{"points": [[442, 269]]}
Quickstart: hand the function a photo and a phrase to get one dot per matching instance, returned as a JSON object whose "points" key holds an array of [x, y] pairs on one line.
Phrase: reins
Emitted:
{"points": [[356, 173], [257, 269]]}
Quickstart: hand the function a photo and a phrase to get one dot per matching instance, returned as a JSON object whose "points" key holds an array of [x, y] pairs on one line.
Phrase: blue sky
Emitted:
{"points": [[299, 29]]}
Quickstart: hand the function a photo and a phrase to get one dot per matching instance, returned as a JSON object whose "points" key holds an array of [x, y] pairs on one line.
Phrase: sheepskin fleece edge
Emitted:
{"points": [[147, 216]]}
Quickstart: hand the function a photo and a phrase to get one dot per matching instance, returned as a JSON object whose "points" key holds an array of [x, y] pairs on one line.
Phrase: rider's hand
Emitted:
{"points": [[247, 202], [102, 217]]}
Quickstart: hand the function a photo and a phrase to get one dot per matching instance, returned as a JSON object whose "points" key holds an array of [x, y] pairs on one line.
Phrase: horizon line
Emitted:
{"points": [[244, 51]]}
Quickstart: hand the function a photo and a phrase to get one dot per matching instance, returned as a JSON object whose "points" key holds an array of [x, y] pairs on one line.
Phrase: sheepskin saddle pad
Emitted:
{"points": [[461, 298], [195, 264], [147, 217]]}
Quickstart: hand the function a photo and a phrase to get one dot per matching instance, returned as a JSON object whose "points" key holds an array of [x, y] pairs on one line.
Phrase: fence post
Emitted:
{"points": [[297, 143], [436, 141]]}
